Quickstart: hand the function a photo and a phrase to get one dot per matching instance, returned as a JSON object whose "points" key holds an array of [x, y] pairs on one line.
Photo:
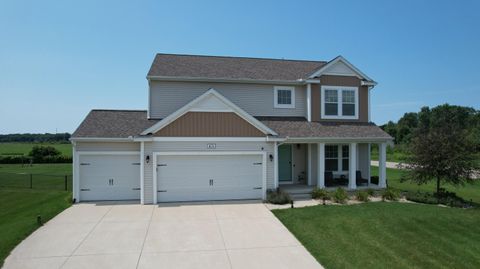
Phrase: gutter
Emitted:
{"points": [[101, 139], [253, 81]]}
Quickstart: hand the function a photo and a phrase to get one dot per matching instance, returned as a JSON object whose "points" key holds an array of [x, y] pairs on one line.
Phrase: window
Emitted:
{"points": [[331, 102], [345, 157], [331, 158], [339, 102], [284, 97]]}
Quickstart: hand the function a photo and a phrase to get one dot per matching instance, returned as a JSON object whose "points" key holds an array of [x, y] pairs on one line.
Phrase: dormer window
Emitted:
{"points": [[284, 97], [339, 102]]}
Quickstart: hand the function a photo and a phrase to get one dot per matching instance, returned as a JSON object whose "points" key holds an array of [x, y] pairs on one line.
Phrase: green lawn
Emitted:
{"points": [[467, 192], [20, 206], [393, 154], [387, 235], [24, 148], [19, 209], [44, 176]]}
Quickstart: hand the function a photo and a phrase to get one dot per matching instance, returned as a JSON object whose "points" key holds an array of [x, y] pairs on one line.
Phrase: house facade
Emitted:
{"points": [[224, 128]]}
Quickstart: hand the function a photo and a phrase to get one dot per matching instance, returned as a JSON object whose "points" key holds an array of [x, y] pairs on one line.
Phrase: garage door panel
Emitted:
{"points": [[109, 177], [209, 177]]}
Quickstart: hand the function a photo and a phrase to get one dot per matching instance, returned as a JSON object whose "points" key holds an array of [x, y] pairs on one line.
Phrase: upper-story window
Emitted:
{"points": [[339, 102], [284, 97]]}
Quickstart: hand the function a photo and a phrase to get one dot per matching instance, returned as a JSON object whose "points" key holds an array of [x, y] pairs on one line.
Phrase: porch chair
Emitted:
{"points": [[360, 180], [329, 181]]}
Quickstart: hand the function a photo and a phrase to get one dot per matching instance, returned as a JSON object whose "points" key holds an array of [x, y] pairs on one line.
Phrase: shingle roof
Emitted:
{"points": [[301, 128], [222, 67], [125, 123], [113, 124]]}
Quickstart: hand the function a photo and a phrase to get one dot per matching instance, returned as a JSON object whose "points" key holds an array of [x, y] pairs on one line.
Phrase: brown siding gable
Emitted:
{"points": [[209, 124]]}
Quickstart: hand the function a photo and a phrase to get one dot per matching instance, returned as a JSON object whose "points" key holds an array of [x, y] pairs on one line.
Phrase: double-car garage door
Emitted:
{"points": [[209, 177]]}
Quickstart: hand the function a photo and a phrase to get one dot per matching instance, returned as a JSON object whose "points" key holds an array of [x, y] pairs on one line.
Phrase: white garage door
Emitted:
{"points": [[109, 177], [209, 177]]}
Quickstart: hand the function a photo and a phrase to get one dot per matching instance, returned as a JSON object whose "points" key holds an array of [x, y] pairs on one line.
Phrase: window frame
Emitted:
{"points": [[332, 158], [275, 96], [339, 90]]}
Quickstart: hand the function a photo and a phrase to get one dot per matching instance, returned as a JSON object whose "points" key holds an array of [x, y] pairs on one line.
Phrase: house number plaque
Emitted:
{"points": [[211, 146]]}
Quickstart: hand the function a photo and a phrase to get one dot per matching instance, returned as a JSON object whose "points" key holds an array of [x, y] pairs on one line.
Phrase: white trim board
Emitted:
{"points": [[218, 99], [208, 153]]}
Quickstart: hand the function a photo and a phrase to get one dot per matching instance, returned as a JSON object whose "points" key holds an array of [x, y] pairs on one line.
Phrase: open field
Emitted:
{"points": [[24, 148], [387, 235], [467, 192]]}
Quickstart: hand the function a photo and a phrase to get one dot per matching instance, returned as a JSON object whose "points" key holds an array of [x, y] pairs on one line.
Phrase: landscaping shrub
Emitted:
{"points": [[445, 197], [371, 192], [362, 196], [340, 196], [278, 197], [390, 194], [7, 159], [320, 194]]}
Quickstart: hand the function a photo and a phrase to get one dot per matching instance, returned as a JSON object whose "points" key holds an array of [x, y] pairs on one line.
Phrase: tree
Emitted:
{"points": [[441, 147], [40, 152], [405, 127]]}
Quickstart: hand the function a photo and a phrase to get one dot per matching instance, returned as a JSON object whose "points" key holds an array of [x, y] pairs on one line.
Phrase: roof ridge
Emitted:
{"points": [[119, 110], [241, 57]]}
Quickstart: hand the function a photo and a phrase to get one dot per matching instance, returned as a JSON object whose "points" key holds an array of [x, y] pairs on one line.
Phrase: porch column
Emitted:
{"points": [[309, 102], [275, 164], [352, 169], [309, 164], [382, 166], [321, 165]]}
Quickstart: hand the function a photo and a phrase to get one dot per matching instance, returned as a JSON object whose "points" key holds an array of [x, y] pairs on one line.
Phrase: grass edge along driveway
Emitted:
{"points": [[19, 209], [387, 235]]}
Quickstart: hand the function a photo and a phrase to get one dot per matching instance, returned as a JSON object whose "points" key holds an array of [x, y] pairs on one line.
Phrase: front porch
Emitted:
{"points": [[299, 167]]}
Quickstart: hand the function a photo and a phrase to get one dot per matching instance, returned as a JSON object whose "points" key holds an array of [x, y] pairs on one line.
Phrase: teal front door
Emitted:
{"points": [[285, 163]]}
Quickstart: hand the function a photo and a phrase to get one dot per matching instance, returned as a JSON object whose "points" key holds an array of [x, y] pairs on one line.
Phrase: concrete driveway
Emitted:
{"points": [[200, 235]]}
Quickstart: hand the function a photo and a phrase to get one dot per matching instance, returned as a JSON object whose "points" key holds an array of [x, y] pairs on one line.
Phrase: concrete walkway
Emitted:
{"points": [[389, 164], [201, 235]]}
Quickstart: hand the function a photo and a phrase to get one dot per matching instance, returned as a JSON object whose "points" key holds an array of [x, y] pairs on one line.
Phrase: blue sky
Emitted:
{"points": [[59, 59]]}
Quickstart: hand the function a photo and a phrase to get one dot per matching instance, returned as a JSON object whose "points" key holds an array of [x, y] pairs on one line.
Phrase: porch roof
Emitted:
{"points": [[300, 128]]}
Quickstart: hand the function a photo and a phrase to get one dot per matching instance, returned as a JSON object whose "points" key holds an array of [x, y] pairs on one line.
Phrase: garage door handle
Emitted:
{"points": [[257, 188], [84, 189], [257, 163], [136, 189], [162, 191]]}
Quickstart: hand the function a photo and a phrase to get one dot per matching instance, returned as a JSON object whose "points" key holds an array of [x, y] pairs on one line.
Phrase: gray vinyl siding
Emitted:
{"points": [[151, 147], [256, 99], [108, 146]]}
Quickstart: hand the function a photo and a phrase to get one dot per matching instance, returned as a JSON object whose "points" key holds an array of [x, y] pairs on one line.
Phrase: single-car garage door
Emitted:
{"points": [[109, 177], [209, 177]]}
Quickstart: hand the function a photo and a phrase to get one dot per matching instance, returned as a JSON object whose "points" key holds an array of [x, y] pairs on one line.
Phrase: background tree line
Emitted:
{"points": [[35, 138], [403, 130]]}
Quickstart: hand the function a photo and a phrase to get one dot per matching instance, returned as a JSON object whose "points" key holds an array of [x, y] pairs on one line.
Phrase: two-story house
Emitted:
{"points": [[221, 128]]}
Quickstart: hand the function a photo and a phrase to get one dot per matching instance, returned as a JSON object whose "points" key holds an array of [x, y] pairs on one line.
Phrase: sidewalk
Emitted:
{"points": [[389, 164]]}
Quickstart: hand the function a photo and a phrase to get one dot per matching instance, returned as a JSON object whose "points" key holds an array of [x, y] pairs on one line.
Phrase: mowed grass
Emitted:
{"points": [[393, 154], [44, 176], [387, 235], [467, 191], [20, 206], [25, 148]]}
